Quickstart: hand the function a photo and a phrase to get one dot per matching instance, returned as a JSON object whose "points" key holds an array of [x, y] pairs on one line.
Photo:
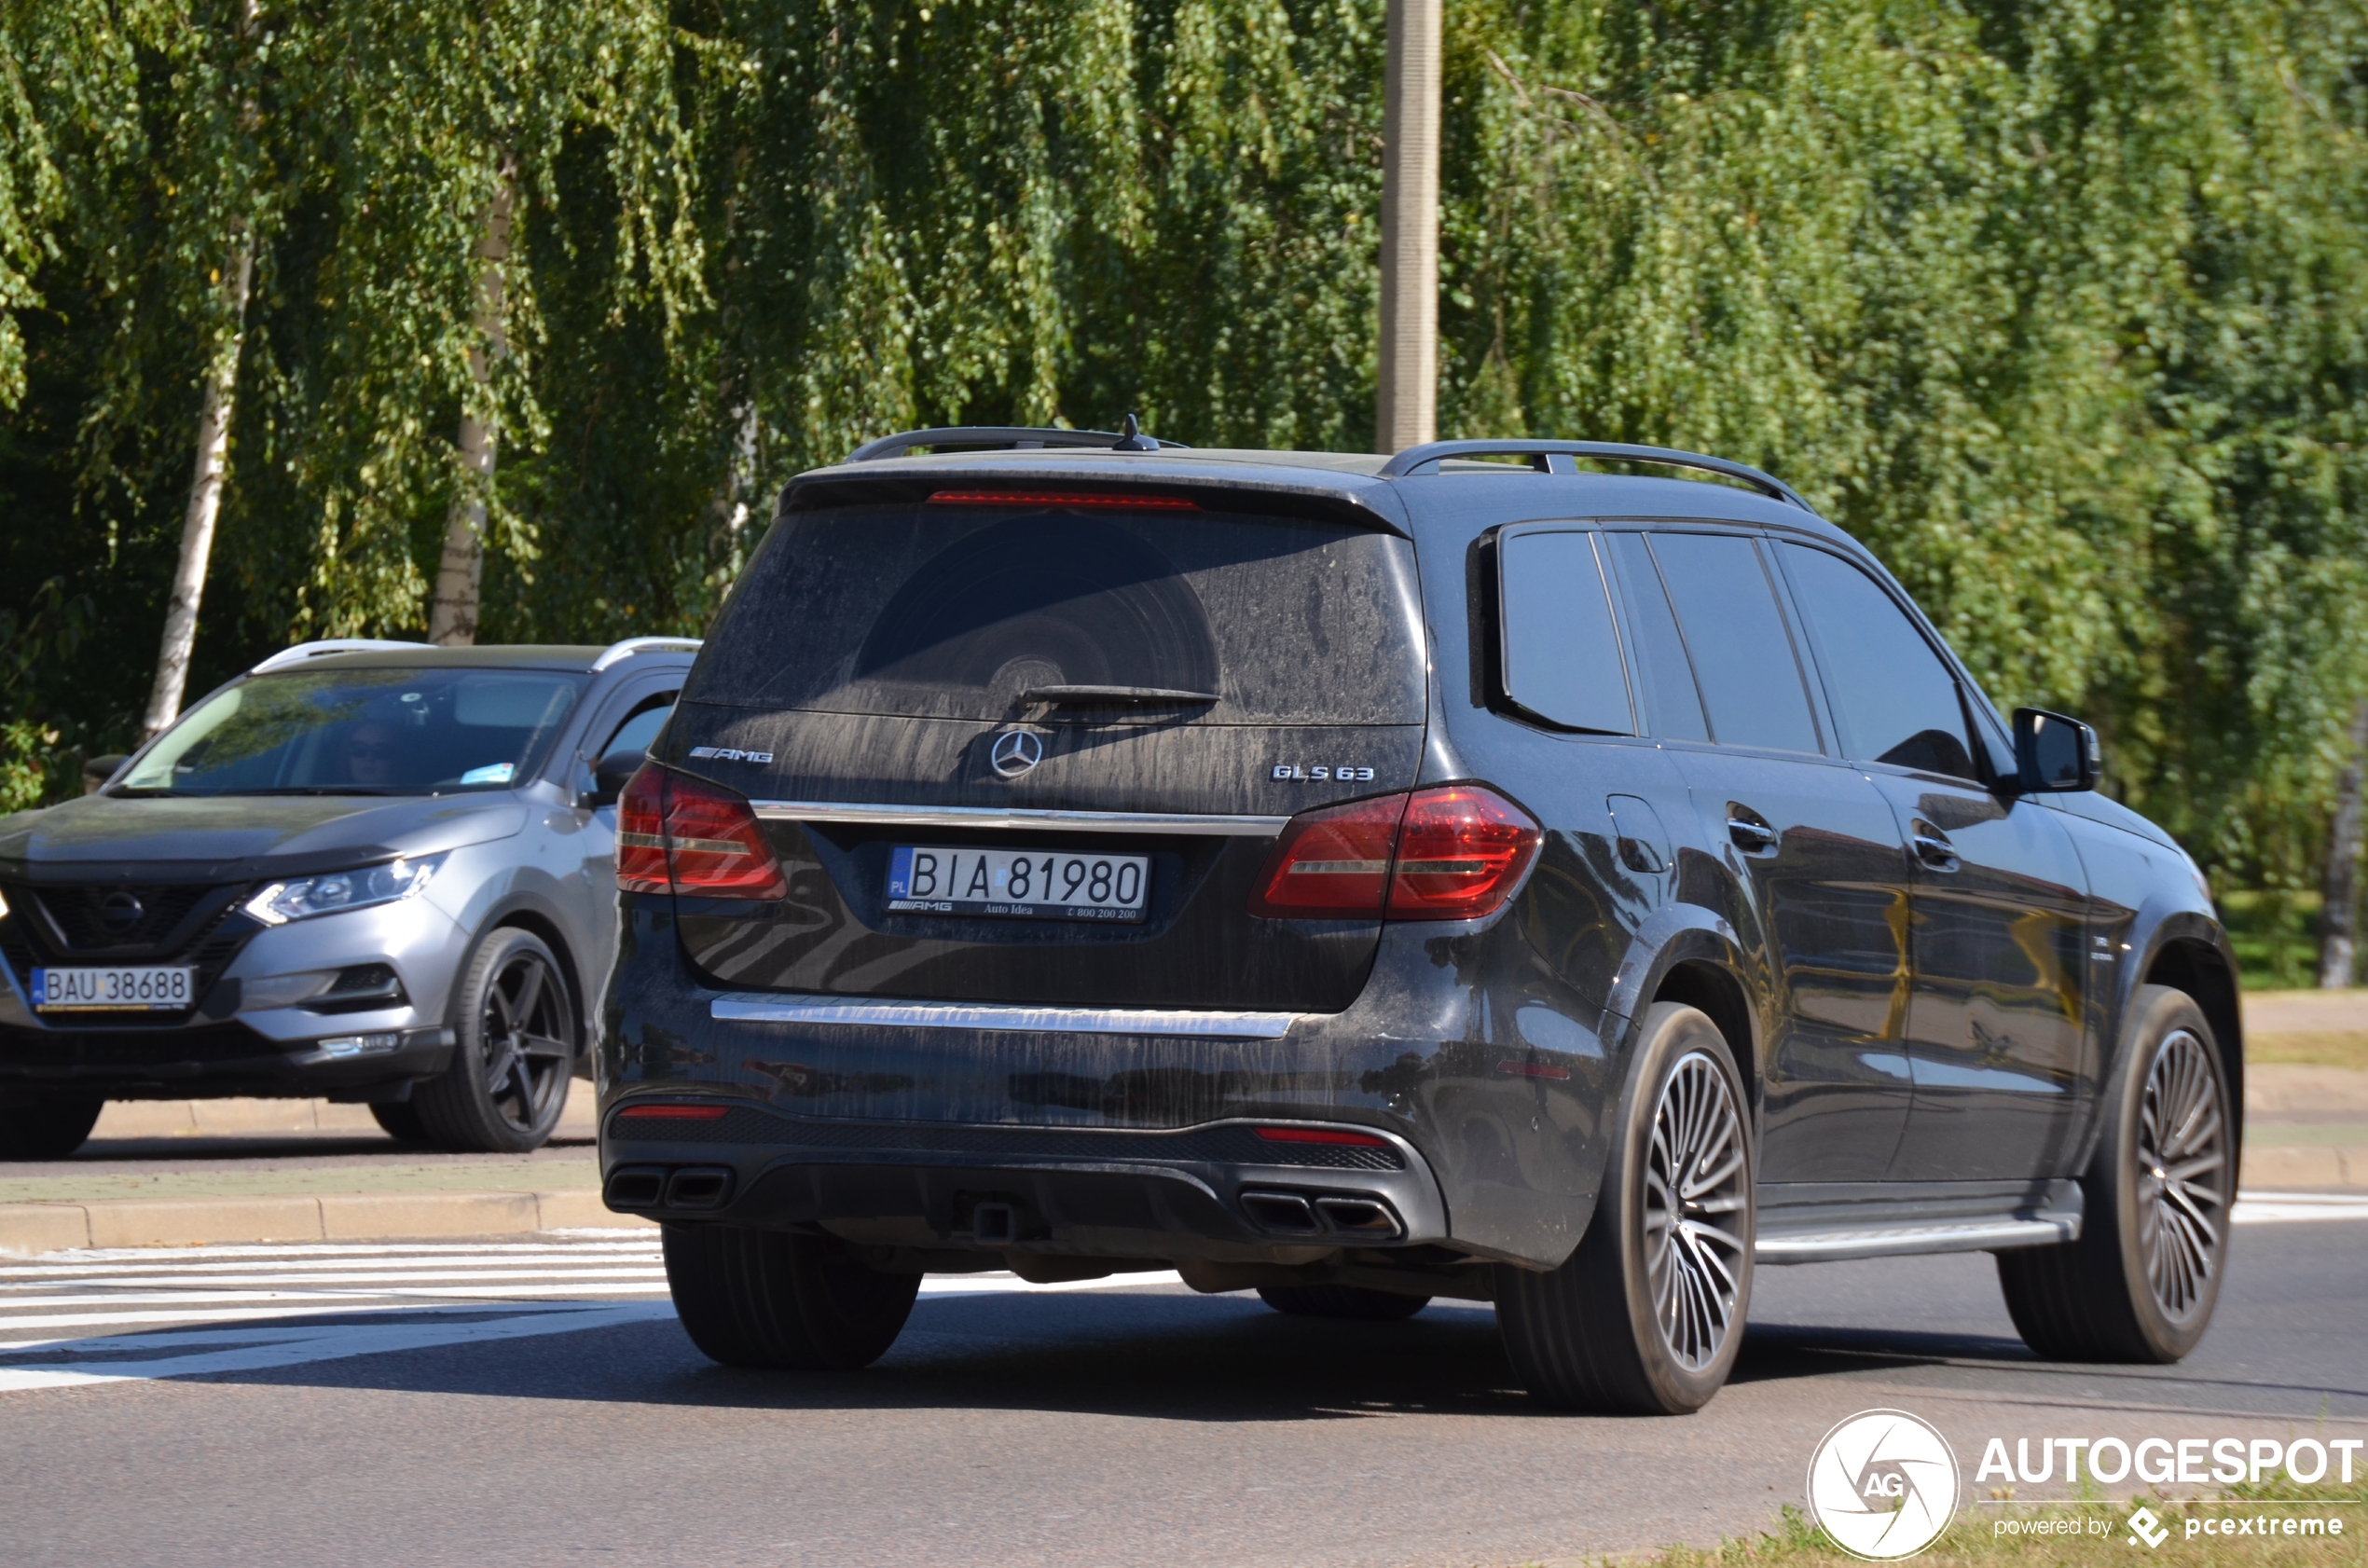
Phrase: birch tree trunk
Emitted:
{"points": [[452, 610], [205, 498], [2339, 915]]}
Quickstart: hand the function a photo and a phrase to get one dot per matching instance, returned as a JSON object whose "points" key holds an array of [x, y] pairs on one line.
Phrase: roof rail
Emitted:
{"points": [[303, 651], [1543, 455], [617, 652], [1007, 437]]}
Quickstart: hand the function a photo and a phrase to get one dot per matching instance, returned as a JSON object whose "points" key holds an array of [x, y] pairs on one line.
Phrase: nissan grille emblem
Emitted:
{"points": [[120, 910], [1015, 752]]}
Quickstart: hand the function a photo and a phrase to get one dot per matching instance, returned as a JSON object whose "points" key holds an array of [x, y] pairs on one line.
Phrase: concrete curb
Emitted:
{"points": [[30, 1228], [2288, 1169]]}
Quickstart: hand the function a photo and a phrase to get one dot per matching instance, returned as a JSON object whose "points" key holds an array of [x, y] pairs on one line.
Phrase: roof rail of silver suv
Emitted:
{"points": [[1008, 437], [1542, 456], [617, 652], [303, 651]]}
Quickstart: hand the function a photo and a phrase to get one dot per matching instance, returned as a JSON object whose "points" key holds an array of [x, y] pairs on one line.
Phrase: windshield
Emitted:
{"points": [[362, 732]]}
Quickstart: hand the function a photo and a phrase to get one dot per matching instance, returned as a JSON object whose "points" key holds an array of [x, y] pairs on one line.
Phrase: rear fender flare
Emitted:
{"points": [[1672, 935]]}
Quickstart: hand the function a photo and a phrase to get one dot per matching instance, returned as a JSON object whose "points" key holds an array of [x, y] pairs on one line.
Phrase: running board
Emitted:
{"points": [[1905, 1220]]}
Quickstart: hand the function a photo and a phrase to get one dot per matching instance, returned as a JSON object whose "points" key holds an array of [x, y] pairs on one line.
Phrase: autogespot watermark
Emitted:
{"points": [[1884, 1484]]}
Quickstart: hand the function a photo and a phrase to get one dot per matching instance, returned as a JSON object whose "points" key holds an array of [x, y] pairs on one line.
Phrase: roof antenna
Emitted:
{"points": [[1131, 439]]}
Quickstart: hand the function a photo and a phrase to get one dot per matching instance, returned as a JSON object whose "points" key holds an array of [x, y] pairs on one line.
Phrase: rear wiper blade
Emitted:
{"points": [[1142, 695]]}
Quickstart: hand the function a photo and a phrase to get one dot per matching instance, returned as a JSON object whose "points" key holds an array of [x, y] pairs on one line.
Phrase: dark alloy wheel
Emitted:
{"points": [[514, 1056], [2140, 1283], [1348, 1302], [49, 1129], [751, 1297], [1647, 1317]]}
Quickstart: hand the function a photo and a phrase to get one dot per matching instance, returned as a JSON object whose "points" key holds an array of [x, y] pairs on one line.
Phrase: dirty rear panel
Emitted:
{"points": [[873, 656]]}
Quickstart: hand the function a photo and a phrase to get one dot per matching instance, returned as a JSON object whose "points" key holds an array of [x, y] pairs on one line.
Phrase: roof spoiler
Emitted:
{"points": [[1556, 457], [1021, 438]]}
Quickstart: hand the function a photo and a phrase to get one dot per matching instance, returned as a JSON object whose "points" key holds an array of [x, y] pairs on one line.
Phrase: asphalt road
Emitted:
{"points": [[1105, 1426]]}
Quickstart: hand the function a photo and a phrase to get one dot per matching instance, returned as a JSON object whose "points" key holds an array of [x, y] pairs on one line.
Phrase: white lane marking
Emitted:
{"points": [[248, 1315], [2270, 1208], [403, 1293], [649, 1270], [375, 1265], [342, 1249], [337, 1344]]}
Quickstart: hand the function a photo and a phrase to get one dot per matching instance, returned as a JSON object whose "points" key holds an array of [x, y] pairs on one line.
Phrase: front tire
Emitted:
{"points": [[751, 1297], [1347, 1303], [47, 1129], [2140, 1283], [1647, 1317], [400, 1121], [514, 1053]]}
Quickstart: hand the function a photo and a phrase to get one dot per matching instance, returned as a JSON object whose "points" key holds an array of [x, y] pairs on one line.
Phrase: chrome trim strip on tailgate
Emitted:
{"points": [[1163, 823], [762, 1007]]}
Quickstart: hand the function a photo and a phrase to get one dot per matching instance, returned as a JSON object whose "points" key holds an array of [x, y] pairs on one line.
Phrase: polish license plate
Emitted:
{"points": [[121, 988], [1039, 884]]}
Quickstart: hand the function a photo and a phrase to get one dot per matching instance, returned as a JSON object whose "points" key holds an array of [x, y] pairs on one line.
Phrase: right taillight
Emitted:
{"points": [[1451, 852], [679, 833]]}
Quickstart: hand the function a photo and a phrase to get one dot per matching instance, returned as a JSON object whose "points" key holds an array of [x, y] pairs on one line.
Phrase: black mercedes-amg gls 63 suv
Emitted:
{"points": [[1362, 880]]}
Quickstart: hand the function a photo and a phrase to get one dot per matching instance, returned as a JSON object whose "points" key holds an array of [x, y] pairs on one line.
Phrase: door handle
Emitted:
{"points": [[1748, 833], [1934, 848]]}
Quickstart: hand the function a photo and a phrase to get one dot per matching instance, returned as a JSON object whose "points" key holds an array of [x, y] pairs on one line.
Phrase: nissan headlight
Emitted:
{"points": [[301, 896]]}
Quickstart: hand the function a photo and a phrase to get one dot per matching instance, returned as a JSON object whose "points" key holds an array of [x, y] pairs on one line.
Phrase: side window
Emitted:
{"points": [[642, 727], [1671, 700], [1560, 653], [1893, 700], [1743, 657]]}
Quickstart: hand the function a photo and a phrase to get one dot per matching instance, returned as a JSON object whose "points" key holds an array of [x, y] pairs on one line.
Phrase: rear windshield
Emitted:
{"points": [[360, 732], [976, 612]]}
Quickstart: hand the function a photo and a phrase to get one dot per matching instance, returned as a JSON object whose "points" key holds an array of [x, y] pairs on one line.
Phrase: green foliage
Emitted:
{"points": [[2057, 304]]}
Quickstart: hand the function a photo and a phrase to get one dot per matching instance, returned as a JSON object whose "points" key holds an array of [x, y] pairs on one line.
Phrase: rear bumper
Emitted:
{"points": [[1215, 1191]]}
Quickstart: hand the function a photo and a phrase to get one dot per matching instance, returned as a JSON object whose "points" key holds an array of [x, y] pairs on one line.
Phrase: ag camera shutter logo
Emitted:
{"points": [[1883, 1485]]}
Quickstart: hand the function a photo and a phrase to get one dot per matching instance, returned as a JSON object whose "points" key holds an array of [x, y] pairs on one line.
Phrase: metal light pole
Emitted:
{"points": [[1407, 409]]}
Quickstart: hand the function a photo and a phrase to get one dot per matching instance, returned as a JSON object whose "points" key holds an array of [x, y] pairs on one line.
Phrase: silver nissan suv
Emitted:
{"points": [[377, 872]]}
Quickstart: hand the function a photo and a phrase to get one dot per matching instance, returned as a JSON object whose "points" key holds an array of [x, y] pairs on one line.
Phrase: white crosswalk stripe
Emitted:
{"points": [[145, 1313]]}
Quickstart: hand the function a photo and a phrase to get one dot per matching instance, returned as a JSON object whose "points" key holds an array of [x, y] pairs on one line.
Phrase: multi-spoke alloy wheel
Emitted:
{"points": [[1693, 1197], [2182, 1173], [2140, 1282], [1646, 1316], [515, 1054]]}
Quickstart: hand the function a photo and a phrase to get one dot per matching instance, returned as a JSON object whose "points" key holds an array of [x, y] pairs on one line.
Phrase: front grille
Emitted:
{"points": [[131, 1048], [127, 921], [1227, 1146], [207, 931]]}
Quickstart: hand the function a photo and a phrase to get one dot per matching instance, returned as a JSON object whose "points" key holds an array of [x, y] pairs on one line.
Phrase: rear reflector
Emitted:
{"points": [[1321, 1135], [676, 1113], [1104, 500], [679, 833], [1451, 852]]}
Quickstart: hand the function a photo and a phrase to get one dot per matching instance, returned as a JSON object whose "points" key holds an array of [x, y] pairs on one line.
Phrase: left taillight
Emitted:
{"points": [[679, 833]]}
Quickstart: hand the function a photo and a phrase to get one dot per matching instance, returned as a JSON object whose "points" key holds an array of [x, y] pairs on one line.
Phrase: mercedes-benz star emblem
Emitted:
{"points": [[120, 910], [1015, 752]]}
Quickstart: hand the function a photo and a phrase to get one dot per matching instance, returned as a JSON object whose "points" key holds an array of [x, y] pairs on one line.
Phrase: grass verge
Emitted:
{"points": [[2314, 1048], [1975, 1539]]}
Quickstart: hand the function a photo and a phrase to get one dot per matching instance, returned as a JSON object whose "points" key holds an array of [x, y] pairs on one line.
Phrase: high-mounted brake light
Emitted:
{"points": [[1451, 852], [1099, 501], [683, 835]]}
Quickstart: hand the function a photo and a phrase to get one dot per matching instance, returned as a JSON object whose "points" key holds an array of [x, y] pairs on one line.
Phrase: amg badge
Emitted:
{"points": [[731, 754]]}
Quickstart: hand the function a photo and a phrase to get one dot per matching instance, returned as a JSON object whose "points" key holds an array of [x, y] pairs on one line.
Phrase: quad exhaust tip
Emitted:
{"points": [[655, 1187], [1299, 1213]]}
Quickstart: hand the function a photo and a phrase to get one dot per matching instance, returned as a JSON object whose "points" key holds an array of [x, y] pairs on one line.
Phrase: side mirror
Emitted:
{"points": [[612, 774], [2053, 754]]}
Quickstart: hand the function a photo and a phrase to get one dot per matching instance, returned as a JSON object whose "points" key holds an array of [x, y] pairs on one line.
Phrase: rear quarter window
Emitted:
{"points": [[954, 612]]}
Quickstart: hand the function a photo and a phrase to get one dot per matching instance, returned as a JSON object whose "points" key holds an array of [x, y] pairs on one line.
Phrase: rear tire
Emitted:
{"points": [[2140, 1284], [1347, 1303], [514, 1053], [47, 1129], [401, 1120], [751, 1297], [1647, 1317]]}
